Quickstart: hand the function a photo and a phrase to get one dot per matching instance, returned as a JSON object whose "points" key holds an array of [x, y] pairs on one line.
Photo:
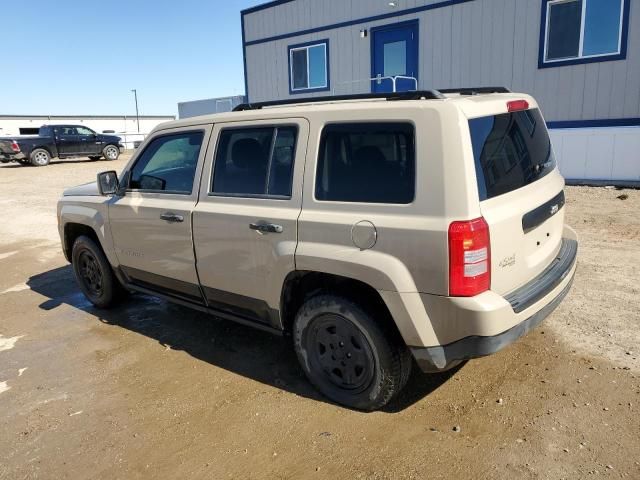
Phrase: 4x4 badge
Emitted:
{"points": [[508, 261]]}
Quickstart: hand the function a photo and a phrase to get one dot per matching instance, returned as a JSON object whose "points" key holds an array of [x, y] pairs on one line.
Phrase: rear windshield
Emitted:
{"points": [[511, 150]]}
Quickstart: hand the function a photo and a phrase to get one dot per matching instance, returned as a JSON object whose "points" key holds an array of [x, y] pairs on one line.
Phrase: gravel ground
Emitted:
{"points": [[153, 390]]}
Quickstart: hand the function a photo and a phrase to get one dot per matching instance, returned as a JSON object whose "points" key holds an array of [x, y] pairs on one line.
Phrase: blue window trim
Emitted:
{"points": [[579, 61], [359, 21], [326, 88], [409, 23], [602, 123], [244, 59]]}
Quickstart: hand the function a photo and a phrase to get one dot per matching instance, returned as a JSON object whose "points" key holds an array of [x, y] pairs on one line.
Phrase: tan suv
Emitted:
{"points": [[372, 229]]}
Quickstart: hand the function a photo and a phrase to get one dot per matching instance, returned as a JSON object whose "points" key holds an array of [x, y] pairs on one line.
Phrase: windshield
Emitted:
{"points": [[511, 150]]}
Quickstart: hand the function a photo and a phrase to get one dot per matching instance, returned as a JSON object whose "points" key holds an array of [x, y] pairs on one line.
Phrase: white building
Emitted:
{"points": [[122, 125], [579, 58]]}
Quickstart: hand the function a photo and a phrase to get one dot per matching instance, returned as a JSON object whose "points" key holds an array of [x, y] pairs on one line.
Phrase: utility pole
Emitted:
{"points": [[135, 95]]}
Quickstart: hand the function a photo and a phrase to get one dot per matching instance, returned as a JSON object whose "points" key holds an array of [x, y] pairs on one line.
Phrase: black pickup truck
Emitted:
{"points": [[61, 141]]}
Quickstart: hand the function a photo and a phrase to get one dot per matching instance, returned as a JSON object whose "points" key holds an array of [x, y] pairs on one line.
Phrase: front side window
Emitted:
{"points": [[308, 67], [85, 131], [255, 162], [367, 162], [168, 164], [583, 30]]}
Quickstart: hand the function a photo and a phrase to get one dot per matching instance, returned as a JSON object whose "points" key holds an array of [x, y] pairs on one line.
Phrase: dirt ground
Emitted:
{"points": [[153, 390]]}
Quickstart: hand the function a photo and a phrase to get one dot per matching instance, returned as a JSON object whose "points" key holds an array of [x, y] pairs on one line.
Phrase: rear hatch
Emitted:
{"points": [[521, 194]]}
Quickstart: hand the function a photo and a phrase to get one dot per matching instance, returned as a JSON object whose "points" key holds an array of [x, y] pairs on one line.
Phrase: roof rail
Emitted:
{"points": [[475, 90], [411, 95]]}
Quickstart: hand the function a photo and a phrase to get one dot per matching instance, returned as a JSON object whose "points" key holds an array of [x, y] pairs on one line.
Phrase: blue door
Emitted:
{"points": [[394, 53]]}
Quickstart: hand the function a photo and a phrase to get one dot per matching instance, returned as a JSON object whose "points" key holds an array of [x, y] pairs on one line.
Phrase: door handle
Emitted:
{"points": [[266, 227], [171, 217]]}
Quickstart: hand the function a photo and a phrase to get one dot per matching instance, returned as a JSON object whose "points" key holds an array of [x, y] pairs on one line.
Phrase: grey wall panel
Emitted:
{"points": [[482, 42]]}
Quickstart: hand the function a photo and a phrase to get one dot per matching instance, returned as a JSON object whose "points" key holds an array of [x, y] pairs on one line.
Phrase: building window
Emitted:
{"points": [[309, 67], [582, 31]]}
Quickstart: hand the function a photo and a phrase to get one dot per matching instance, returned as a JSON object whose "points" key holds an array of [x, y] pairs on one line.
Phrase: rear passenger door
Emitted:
{"points": [[67, 140], [245, 223]]}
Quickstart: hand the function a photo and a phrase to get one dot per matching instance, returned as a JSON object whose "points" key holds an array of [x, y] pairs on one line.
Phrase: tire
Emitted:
{"points": [[111, 152], [94, 274], [40, 157], [350, 356], [94, 157]]}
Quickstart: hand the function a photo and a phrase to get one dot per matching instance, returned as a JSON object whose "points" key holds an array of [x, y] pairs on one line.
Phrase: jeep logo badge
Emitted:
{"points": [[554, 209]]}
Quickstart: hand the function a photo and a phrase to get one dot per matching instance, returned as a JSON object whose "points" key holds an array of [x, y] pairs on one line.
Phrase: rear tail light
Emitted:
{"points": [[469, 258], [517, 105], [14, 146]]}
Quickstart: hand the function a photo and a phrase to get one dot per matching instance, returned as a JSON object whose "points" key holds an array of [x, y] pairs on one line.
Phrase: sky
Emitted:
{"points": [[83, 57]]}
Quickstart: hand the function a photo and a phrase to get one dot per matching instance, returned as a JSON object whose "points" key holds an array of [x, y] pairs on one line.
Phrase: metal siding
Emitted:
{"points": [[482, 42]]}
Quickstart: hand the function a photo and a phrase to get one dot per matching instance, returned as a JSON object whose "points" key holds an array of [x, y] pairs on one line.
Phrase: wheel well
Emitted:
{"points": [[301, 285], [72, 231]]}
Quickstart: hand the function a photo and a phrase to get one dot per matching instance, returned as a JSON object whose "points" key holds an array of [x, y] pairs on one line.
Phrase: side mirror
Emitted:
{"points": [[108, 182]]}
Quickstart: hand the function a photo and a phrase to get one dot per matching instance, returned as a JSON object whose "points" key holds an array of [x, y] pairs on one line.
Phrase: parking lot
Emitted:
{"points": [[155, 390]]}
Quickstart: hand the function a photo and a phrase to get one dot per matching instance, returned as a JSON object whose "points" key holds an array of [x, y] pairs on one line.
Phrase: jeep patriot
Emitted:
{"points": [[377, 231]]}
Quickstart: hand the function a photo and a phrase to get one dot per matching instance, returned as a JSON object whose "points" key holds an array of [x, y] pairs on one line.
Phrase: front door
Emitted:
{"points": [[151, 223], [394, 57], [245, 223], [88, 142]]}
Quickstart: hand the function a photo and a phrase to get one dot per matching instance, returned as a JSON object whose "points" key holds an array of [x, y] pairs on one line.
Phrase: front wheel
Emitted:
{"points": [[94, 274], [351, 357], [111, 152], [40, 157]]}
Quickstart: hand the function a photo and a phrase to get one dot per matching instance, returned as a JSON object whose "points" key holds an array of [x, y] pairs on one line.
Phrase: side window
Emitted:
{"points": [[255, 161], [168, 164], [67, 131], [84, 131], [367, 162]]}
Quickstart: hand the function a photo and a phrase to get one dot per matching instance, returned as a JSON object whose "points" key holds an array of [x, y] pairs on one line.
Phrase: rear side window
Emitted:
{"points": [[168, 164], [367, 162], [511, 150], [255, 162]]}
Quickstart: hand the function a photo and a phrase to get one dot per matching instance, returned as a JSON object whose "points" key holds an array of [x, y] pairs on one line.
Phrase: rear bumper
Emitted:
{"points": [[479, 326], [441, 358], [11, 157]]}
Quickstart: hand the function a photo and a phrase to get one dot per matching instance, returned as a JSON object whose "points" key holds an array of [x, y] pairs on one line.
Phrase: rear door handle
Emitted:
{"points": [[266, 227], [171, 217]]}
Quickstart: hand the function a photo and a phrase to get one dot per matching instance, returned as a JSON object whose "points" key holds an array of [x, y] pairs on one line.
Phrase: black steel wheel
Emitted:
{"points": [[349, 355], [90, 272], [341, 352], [94, 274]]}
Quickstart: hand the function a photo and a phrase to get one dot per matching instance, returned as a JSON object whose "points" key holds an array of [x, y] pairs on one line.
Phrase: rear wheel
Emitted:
{"points": [[94, 274], [111, 152], [40, 157], [348, 355]]}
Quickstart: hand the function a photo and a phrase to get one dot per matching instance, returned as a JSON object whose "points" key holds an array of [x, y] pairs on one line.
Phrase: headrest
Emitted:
{"points": [[247, 152], [369, 156]]}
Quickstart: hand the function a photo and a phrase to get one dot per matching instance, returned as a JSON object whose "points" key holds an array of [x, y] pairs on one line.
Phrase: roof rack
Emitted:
{"points": [[411, 95], [475, 90]]}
